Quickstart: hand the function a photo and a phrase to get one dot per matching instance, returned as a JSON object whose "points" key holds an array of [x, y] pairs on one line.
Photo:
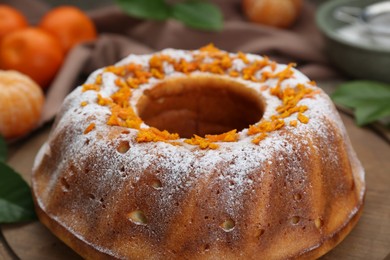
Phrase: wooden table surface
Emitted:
{"points": [[370, 239]]}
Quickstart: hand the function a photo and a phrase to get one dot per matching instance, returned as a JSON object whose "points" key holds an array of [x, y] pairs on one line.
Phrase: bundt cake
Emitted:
{"points": [[198, 154]]}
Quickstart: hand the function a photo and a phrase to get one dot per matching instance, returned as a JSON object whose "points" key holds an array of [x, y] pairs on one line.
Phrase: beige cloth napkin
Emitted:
{"points": [[121, 35]]}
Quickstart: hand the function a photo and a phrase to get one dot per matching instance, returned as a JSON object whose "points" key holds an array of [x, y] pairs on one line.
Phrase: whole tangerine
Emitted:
{"points": [[21, 104], [275, 13], [33, 52], [69, 25], [10, 20]]}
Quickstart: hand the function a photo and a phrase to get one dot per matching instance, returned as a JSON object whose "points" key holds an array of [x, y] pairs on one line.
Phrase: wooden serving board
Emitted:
{"points": [[370, 239]]}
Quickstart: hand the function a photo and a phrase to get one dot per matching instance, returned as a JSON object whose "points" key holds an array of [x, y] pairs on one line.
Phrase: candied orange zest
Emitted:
{"points": [[210, 48], [208, 142], [234, 73], [293, 123], [212, 60], [117, 70], [290, 98], [86, 87], [89, 128], [103, 101], [152, 134], [124, 117], [203, 143], [259, 138], [122, 97], [249, 72], [230, 136], [156, 73], [302, 118], [242, 57], [120, 83], [99, 79]]}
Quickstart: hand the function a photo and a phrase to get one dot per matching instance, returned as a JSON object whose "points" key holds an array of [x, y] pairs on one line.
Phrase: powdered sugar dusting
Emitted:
{"points": [[180, 167], [254, 155]]}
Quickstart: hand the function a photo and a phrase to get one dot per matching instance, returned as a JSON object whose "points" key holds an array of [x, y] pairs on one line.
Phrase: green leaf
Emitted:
{"points": [[16, 202], [371, 100], [370, 113], [149, 9], [3, 149], [198, 15], [352, 93]]}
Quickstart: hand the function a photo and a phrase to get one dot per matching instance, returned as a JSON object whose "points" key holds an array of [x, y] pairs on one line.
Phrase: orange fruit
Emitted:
{"points": [[69, 25], [33, 52], [10, 20], [21, 103], [276, 13]]}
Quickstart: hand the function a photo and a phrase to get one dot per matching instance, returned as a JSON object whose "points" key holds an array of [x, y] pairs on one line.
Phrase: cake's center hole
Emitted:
{"points": [[200, 105]]}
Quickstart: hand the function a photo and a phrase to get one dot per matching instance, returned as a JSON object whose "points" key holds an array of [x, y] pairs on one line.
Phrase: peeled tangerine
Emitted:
{"points": [[276, 13], [21, 103]]}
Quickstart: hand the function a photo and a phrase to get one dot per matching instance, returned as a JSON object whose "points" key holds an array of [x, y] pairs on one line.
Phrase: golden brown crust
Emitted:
{"points": [[90, 252], [83, 249], [320, 220], [333, 240]]}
